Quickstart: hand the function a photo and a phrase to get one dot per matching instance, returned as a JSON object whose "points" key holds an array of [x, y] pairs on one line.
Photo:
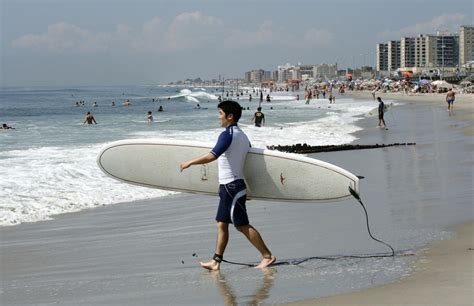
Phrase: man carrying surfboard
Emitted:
{"points": [[230, 150], [381, 112]]}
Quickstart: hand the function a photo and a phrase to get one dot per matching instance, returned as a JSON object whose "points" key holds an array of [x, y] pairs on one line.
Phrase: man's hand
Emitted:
{"points": [[184, 165], [206, 158]]}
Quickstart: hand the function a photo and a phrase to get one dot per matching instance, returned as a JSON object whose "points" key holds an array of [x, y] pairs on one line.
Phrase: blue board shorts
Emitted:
{"points": [[232, 207], [450, 101]]}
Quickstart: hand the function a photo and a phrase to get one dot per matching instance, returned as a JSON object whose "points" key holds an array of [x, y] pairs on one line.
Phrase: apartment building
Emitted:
{"points": [[393, 56], [381, 54], [407, 52], [466, 44], [325, 71]]}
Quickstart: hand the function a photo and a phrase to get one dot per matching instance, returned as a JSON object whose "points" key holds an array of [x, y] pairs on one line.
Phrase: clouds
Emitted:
{"points": [[188, 31], [445, 22], [63, 37]]}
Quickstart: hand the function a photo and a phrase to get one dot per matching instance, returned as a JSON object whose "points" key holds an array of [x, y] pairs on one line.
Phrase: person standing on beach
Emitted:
{"points": [[230, 150], [374, 92], [89, 119], [381, 112], [450, 97]]}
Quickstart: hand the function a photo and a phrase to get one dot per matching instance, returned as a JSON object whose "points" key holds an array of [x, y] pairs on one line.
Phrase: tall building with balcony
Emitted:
{"points": [[407, 52], [393, 55], [381, 57], [441, 50], [466, 44], [420, 51]]}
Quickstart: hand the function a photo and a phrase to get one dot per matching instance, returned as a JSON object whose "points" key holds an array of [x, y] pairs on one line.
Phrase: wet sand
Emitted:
{"points": [[444, 276], [444, 272], [147, 252]]}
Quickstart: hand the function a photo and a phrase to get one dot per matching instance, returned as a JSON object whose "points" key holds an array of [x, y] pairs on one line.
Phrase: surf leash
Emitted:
{"points": [[335, 257], [357, 197]]}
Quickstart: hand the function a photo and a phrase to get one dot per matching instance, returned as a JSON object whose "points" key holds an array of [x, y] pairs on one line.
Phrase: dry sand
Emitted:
{"points": [[444, 273]]}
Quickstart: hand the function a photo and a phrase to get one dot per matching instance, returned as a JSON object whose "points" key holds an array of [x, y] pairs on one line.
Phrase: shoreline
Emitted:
{"points": [[443, 272], [443, 276]]}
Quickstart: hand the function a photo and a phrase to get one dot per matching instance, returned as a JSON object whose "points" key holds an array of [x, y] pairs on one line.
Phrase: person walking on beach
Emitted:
{"points": [[230, 150], [89, 119], [259, 117], [381, 112], [450, 97]]}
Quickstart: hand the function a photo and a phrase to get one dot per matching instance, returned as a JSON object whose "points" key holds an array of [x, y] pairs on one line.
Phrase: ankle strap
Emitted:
{"points": [[217, 258]]}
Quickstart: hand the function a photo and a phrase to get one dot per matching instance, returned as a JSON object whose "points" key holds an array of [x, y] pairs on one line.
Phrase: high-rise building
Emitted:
{"points": [[442, 50], [325, 71], [381, 55], [247, 77], [420, 51], [407, 52], [466, 44], [393, 55], [257, 76], [285, 72], [275, 75]]}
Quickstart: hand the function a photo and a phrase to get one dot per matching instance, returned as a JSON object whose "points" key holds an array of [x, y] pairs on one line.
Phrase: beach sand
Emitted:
{"points": [[463, 106], [444, 276], [444, 273], [147, 252]]}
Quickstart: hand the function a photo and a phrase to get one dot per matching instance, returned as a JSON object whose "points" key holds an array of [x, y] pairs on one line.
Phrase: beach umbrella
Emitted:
{"points": [[465, 82], [441, 83]]}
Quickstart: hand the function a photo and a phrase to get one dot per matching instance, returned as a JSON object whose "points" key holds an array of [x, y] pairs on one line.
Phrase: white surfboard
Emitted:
{"points": [[270, 175], [375, 111], [154, 121]]}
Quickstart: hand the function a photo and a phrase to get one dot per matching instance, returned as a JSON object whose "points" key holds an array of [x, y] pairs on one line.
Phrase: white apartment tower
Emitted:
{"points": [[420, 51], [466, 44], [407, 52]]}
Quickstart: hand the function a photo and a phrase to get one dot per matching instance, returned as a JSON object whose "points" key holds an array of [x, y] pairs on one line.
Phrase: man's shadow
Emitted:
{"points": [[261, 294]]}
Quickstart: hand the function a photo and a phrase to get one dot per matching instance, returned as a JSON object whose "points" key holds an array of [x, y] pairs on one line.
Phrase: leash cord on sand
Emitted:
{"points": [[300, 261]]}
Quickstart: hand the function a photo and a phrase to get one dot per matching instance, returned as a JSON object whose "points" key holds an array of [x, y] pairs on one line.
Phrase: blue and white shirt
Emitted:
{"points": [[230, 150]]}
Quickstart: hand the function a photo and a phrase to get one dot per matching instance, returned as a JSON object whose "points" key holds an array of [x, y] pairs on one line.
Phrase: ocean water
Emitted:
{"points": [[48, 162]]}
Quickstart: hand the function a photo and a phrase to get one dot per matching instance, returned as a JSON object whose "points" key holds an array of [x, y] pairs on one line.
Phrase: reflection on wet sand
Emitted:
{"points": [[260, 295]]}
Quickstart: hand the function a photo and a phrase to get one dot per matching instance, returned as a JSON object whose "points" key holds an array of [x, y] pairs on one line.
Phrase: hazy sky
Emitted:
{"points": [[101, 42]]}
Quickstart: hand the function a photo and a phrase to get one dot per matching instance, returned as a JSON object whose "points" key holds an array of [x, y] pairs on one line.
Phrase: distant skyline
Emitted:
{"points": [[106, 42]]}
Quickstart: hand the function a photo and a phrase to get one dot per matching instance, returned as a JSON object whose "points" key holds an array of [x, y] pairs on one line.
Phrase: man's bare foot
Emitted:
{"points": [[211, 265], [266, 261]]}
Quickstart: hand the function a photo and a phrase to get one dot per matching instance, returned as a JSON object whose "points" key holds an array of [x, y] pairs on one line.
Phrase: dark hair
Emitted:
{"points": [[379, 99], [259, 108], [231, 107]]}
